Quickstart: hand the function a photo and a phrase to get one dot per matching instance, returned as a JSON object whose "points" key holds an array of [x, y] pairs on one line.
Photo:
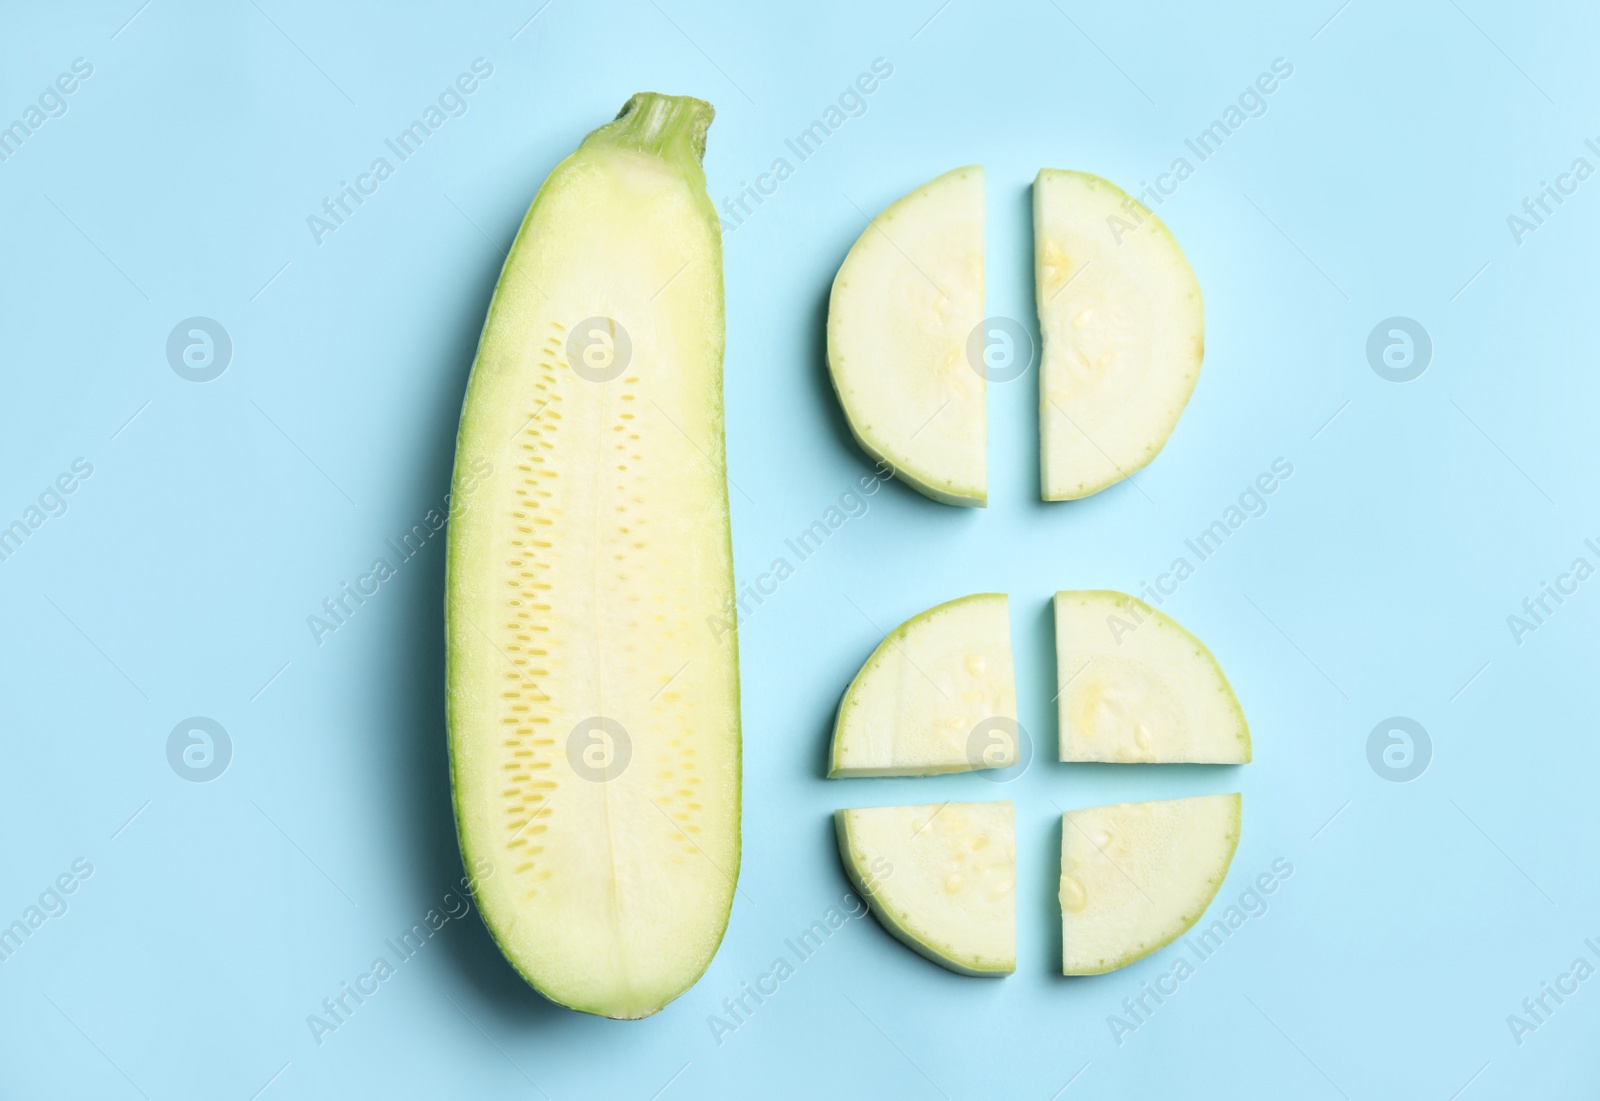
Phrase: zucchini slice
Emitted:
{"points": [[1136, 876], [941, 878], [1122, 328], [937, 695], [905, 305]]}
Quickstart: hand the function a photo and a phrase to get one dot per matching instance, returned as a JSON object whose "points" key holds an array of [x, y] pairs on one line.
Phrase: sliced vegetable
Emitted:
{"points": [[594, 714], [1136, 876], [1137, 687], [904, 307], [942, 878], [936, 696], [1122, 326]]}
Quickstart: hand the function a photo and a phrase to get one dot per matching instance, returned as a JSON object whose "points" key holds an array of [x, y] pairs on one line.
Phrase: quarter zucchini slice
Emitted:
{"points": [[1138, 688], [937, 695], [941, 878], [1136, 876]]}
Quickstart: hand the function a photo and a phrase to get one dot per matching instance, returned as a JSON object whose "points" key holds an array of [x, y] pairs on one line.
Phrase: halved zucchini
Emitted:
{"points": [[593, 710]]}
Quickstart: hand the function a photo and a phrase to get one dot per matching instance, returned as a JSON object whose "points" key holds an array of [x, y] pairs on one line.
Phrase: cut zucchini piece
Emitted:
{"points": [[903, 310], [1122, 327], [593, 711], [941, 878], [1138, 688], [936, 696], [1136, 876]]}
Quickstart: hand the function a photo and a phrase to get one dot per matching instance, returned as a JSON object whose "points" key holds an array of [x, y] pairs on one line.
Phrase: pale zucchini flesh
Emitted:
{"points": [[901, 316], [1122, 331], [938, 695], [1136, 876], [593, 712], [1135, 687], [940, 878]]}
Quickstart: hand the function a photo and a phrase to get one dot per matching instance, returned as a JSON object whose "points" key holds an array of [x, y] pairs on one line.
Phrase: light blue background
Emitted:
{"points": [[1377, 184]]}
